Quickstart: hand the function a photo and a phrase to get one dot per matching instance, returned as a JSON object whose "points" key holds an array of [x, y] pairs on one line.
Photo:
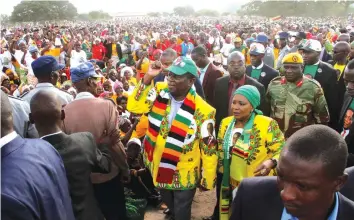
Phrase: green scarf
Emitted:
{"points": [[311, 70]]}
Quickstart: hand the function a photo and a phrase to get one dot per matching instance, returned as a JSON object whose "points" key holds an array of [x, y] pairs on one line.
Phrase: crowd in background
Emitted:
{"points": [[251, 84]]}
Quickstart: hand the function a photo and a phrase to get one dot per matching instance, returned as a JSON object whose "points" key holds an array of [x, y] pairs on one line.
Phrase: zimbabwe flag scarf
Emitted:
{"points": [[176, 135]]}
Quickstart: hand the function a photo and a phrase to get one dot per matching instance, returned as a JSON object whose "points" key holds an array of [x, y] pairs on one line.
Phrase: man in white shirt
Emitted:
{"points": [[226, 48], [77, 56], [45, 69]]}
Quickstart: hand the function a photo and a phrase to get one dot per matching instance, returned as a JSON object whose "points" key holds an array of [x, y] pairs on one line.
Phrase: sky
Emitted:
{"points": [[114, 6]]}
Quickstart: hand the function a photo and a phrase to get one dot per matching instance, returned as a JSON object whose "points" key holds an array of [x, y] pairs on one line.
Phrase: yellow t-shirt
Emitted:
{"points": [[55, 52], [340, 68], [132, 81], [114, 50]]}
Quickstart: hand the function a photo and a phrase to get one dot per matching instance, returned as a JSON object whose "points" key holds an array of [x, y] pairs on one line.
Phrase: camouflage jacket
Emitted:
{"points": [[295, 106]]}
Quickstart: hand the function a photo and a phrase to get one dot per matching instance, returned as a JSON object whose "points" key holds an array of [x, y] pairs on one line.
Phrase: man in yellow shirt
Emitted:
{"points": [[174, 150]]}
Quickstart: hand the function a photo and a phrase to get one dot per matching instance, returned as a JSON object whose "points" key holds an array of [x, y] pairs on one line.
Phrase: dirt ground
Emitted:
{"points": [[203, 205]]}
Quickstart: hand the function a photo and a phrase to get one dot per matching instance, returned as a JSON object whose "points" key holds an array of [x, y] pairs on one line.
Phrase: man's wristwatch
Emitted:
{"points": [[275, 162]]}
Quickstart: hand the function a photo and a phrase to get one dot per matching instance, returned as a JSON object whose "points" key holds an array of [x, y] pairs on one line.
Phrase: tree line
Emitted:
{"points": [[36, 11]]}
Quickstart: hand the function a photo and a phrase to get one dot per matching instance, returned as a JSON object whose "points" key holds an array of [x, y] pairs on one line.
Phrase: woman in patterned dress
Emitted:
{"points": [[249, 144]]}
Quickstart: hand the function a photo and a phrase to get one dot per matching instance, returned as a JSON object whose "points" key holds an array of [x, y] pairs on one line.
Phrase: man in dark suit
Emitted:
{"points": [[348, 188], [78, 150], [33, 180], [325, 74], [259, 70], [310, 174], [341, 51], [224, 88], [110, 46], [209, 73], [345, 125], [167, 58]]}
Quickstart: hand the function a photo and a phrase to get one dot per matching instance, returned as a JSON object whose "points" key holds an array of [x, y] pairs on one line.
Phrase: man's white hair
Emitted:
{"points": [[234, 54]]}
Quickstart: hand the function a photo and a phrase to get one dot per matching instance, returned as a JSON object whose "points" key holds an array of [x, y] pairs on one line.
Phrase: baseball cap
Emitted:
{"points": [[238, 40], [301, 35], [283, 35], [182, 65], [311, 45], [32, 49], [262, 38], [257, 49], [83, 71], [45, 65]]}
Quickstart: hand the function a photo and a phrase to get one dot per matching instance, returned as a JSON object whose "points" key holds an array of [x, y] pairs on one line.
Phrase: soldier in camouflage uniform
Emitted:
{"points": [[296, 101]]}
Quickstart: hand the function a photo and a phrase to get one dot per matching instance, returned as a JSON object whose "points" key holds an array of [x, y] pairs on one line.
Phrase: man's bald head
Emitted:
{"points": [[342, 46], [344, 37], [46, 110], [6, 115]]}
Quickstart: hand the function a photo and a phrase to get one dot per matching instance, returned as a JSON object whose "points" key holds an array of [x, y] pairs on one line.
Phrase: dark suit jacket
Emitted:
{"points": [[33, 182], [108, 47], [198, 86], [263, 193], [81, 157], [221, 100], [327, 77], [349, 139], [348, 188], [270, 74], [210, 76], [326, 56]]}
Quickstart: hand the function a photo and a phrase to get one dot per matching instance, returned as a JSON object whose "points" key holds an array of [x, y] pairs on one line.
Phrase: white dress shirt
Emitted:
{"points": [[7, 138]]}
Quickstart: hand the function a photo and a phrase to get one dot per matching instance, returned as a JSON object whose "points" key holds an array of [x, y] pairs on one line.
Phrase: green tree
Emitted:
{"points": [[4, 19], [295, 8], [183, 11], [43, 11], [83, 17], [98, 15]]}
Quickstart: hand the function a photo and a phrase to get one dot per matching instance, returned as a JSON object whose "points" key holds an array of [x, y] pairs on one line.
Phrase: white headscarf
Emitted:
{"points": [[127, 68]]}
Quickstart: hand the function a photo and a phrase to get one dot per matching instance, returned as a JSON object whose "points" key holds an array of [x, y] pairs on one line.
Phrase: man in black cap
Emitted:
{"points": [[299, 36], [46, 68], [284, 48], [258, 69], [268, 58]]}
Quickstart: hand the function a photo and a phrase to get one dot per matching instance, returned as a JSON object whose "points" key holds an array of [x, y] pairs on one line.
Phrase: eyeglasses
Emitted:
{"points": [[173, 76]]}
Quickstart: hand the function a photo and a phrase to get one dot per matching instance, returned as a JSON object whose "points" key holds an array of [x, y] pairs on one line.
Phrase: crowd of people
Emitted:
{"points": [[262, 110]]}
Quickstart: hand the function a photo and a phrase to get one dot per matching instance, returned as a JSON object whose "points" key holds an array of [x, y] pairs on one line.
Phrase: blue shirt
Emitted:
{"points": [[186, 48], [33, 181], [333, 216]]}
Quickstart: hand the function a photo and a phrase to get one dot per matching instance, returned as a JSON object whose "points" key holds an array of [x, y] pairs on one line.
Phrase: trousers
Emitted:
{"points": [[179, 202], [111, 199]]}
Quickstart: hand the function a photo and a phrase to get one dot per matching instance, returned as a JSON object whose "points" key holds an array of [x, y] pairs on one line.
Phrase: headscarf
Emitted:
{"points": [[127, 68], [117, 84], [251, 93]]}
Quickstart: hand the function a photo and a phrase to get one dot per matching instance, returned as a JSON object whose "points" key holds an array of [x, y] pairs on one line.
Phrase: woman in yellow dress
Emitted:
{"points": [[249, 144]]}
